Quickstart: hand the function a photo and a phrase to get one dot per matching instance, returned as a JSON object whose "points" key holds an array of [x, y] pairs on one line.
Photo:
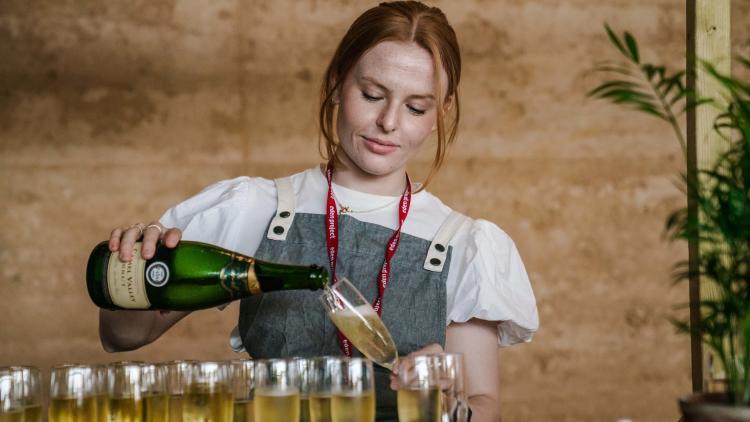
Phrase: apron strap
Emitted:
{"points": [[438, 252], [287, 202]]}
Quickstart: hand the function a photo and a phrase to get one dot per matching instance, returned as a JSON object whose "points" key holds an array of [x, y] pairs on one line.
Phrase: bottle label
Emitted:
{"points": [[125, 281], [157, 274], [239, 279]]}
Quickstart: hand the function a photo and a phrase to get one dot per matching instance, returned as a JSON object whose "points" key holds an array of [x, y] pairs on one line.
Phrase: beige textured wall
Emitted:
{"points": [[110, 112]]}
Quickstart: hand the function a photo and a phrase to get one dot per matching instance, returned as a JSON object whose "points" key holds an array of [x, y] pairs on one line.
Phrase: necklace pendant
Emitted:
{"points": [[344, 210]]}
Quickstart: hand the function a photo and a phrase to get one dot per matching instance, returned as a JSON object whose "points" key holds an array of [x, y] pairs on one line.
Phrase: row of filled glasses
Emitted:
{"points": [[276, 390]]}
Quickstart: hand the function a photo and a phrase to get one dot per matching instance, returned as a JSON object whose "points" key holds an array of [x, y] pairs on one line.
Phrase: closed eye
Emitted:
{"points": [[370, 97], [415, 111]]}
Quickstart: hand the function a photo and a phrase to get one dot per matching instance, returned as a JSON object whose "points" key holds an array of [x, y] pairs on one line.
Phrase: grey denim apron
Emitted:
{"points": [[294, 323]]}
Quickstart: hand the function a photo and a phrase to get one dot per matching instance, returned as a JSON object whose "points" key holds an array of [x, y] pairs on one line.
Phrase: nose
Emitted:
{"points": [[388, 119]]}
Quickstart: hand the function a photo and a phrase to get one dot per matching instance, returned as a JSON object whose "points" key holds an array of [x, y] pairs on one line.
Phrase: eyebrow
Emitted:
{"points": [[381, 86]]}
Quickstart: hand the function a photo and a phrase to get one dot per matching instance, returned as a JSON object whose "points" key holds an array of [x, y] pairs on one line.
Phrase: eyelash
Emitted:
{"points": [[412, 110]]}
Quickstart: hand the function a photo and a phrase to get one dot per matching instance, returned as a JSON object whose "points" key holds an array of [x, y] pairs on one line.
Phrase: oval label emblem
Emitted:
{"points": [[157, 274]]}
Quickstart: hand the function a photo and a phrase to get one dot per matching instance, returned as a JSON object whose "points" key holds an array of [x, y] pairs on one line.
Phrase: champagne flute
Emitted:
{"points": [[352, 390], [359, 322], [419, 396], [72, 394], [451, 374], [243, 387], [304, 374], [276, 390], [155, 393], [30, 392], [208, 395], [320, 373], [125, 391], [100, 392], [11, 395], [177, 373]]}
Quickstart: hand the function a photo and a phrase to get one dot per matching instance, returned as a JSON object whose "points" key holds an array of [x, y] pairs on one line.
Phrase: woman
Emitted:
{"points": [[389, 86]]}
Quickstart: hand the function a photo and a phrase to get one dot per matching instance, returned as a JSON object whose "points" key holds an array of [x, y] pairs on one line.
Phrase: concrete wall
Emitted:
{"points": [[110, 112]]}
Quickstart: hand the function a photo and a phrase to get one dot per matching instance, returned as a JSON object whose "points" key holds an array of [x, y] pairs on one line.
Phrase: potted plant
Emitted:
{"points": [[722, 230]]}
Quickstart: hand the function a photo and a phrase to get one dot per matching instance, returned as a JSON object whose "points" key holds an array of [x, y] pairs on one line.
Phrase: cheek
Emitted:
{"points": [[419, 130]]}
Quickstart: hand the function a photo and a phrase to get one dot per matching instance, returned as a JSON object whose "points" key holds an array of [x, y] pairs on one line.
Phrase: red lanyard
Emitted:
{"points": [[332, 229]]}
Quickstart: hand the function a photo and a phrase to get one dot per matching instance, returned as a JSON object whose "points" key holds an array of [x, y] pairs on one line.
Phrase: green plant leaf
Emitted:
{"points": [[632, 47], [616, 41]]}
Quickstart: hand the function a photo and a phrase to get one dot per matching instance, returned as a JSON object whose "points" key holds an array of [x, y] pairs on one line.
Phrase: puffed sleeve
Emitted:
{"points": [[232, 214], [487, 280]]}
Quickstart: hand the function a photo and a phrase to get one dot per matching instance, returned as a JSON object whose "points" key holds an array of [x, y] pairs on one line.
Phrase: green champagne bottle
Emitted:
{"points": [[189, 277]]}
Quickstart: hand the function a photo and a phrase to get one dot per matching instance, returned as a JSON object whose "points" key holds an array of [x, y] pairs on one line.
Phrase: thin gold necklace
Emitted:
{"points": [[343, 209]]}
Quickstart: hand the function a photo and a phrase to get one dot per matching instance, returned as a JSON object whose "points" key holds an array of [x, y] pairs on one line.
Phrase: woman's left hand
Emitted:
{"points": [[427, 350]]}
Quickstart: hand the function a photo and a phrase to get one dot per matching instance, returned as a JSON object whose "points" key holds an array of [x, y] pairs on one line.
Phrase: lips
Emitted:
{"points": [[378, 146]]}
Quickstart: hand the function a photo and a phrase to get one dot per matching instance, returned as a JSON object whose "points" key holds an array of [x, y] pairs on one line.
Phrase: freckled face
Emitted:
{"points": [[387, 107]]}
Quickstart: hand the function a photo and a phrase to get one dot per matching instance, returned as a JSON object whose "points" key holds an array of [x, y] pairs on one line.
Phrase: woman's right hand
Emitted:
{"points": [[123, 239]]}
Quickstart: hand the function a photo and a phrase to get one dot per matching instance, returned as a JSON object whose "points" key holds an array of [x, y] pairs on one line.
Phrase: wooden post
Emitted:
{"points": [[708, 39]]}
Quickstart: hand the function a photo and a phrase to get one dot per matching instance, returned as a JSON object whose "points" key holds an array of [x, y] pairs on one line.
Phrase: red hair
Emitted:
{"points": [[403, 21]]}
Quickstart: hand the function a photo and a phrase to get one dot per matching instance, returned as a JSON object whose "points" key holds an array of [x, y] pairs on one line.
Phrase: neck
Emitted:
{"points": [[350, 176]]}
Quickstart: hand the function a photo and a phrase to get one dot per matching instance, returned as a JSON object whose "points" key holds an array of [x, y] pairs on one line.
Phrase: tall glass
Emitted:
{"points": [[353, 391], [125, 391], [419, 393], [304, 375], [154, 393], [72, 394], [177, 373], [359, 322], [31, 391], [320, 375], [100, 388], [11, 396], [243, 388], [453, 386], [208, 395], [276, 390]]}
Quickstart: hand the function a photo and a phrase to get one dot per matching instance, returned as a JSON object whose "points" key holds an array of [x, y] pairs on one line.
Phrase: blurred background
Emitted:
{"points": [[111, 112]]}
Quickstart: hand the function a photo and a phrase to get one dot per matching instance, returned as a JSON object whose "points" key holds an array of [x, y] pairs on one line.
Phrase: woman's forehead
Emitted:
{"points": [[398, 65]]}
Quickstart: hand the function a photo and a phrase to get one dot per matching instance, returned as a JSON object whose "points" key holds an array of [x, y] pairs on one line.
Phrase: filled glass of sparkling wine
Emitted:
{"points": [[11, 396], [243, 388], [352, 390], [320, 380], [359, 322], [100, 391], [177, 372], [154, 390], [125, 391], [208, 394], [72, 394], [31, 392], [304, 374], [430, 388], [276, 390]]}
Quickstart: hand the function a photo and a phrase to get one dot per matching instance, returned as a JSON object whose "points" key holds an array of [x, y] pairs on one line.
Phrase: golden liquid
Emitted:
{"points": [[32, 413], [243, 411], [125, 409], [12, 416], [175, 408], [102, 408], [419, 405], [283, 407], [72, 410], [364, 328], [204, 404], [353, 407], [304, 409], [156, 408], [320, 408]]}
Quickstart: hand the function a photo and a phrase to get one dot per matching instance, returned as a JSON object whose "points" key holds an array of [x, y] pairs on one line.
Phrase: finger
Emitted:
{"points": [[127, 243], [428, 350], [394, 382], [151, 236], [172, 237], [114, 239]]}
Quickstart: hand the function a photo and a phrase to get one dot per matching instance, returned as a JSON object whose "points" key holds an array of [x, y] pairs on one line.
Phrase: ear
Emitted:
{"points": [[336, 97]]}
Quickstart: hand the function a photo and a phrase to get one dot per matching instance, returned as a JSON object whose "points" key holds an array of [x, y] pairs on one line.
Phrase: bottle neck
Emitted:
{"points": [[273, 276]]}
